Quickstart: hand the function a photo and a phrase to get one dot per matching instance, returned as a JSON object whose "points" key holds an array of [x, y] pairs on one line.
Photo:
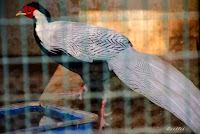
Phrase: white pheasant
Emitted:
{"points": [[146, 74]]}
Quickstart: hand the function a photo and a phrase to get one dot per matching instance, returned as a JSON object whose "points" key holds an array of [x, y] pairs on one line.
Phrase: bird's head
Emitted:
{"points": [[28, 10]]}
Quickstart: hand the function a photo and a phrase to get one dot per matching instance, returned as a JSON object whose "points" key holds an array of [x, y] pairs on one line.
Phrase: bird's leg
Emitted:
{"points": [[80, 92], [102, 119]]}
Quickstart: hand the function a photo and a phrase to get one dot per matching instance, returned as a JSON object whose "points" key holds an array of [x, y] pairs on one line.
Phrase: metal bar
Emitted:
{"points": [[63, 10], [132, 17], [86, 66], [186, 48], [104, 6], [166, 40], [45, 68], [5, 66], [106, 73], [66, 79], [127, 101], [37, 59], [147, 110], [54, 96], [25, 68]]}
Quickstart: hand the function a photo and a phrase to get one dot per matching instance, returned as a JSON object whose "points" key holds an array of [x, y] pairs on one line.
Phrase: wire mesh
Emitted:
{"points": [[27, 60]]}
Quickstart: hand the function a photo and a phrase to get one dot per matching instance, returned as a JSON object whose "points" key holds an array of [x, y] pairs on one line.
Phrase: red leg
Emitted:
{"points": [[102, 119]]}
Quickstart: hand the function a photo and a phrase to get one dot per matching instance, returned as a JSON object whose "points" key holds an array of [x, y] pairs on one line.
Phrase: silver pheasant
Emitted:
{"points": [[146, 74]]}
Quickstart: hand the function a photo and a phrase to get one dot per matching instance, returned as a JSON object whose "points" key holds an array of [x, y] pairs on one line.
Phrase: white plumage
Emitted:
{"points": [[161, 83], [83, 41], [146, 74]]}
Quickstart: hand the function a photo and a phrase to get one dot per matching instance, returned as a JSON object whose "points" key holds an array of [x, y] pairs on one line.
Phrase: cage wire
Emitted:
{"points": [[26, 61]]}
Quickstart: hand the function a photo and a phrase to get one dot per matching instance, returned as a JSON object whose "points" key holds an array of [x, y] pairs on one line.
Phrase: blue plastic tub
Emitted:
{"points": [[47, 119]]}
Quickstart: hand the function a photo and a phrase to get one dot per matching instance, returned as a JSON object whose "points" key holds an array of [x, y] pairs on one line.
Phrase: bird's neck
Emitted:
{"points": [[41, 19]]}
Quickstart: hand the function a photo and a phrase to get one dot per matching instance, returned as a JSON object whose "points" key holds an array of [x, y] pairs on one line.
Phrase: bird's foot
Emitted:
{"points": [[107, 114], [103, 123], [79, 92]]}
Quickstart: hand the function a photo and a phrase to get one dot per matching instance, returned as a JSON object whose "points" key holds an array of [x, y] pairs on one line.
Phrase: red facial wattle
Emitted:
{"points": [[28, 10]]}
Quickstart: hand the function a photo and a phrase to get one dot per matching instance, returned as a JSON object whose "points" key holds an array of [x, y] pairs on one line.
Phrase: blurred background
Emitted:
{"points": [[166, 28]]}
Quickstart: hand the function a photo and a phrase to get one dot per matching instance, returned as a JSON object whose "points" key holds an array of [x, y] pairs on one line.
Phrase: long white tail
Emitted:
{"points": [[161, 83]]}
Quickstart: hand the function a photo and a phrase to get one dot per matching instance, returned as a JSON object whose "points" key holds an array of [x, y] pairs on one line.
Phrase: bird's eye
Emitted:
{"points": [[29, 10]]}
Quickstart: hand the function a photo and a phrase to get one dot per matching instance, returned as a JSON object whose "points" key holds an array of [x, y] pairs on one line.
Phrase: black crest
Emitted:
{"points": [[34, 4], [39, 7]]}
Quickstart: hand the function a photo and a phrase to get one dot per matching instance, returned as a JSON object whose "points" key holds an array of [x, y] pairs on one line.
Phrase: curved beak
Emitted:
{"points": [[20, 13]]}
